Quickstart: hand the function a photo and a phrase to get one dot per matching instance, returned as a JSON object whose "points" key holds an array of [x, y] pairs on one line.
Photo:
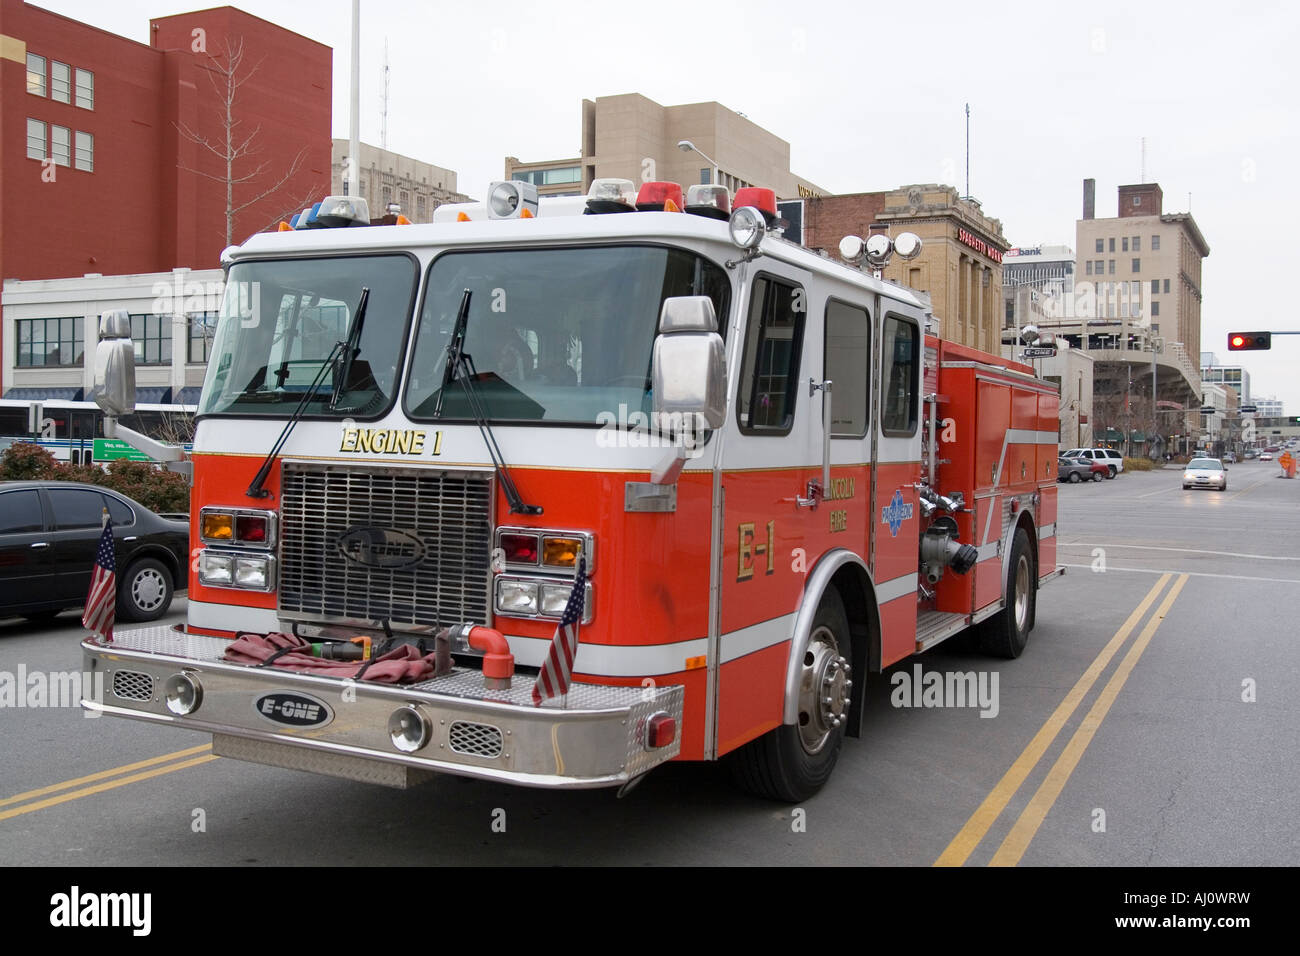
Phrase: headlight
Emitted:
{"points": [[216, 569], [747, 227], [516, 597], [230, 569]]}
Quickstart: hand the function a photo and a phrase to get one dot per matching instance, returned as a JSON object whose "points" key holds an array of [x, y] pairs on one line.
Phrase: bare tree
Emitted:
{"points": [[237, 149]]}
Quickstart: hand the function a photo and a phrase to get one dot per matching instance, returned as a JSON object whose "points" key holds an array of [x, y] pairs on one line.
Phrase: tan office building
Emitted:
{"points": [[630, 136], [389, 178]]}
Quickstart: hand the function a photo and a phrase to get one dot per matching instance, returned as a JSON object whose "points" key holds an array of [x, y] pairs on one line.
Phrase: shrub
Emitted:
{"points": [[155, 489], [1139, 464], [23, 461]]}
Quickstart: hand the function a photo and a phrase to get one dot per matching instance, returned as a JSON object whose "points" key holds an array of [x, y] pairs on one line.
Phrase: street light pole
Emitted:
{"points": [[686, 146]]}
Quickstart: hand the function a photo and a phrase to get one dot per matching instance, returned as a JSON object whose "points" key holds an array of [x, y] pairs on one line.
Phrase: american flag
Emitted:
{"points": [[101, 602], [557, 672]]}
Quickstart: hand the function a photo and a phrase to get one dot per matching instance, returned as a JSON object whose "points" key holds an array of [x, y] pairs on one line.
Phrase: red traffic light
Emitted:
{"points": [[1249, 341]]}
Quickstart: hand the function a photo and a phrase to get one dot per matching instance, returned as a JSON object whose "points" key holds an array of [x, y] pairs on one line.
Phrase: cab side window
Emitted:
{"points": [[901, 370], [770, 372], [848, 366]]}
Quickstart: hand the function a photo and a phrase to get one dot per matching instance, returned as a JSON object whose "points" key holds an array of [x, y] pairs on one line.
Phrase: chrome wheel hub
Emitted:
{"points": [[824, 691]]}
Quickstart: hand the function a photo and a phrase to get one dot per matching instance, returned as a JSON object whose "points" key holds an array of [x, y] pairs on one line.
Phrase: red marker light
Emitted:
{"points": [[660, 731], [764, 200], [660, 197], [1238, 341]]}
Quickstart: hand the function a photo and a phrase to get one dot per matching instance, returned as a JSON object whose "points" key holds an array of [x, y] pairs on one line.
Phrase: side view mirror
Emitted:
{"points": [[689, 368], [114, 388]]}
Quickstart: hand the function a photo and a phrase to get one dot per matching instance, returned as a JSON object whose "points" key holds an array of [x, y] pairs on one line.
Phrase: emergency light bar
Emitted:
{"points": [[611, 195], [711, 201]]}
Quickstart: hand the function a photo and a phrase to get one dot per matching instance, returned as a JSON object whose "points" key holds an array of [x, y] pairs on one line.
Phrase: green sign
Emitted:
{"points": [[110, 449]]}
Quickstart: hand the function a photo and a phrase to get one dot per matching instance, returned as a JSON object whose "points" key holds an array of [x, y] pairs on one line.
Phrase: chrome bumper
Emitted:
{"points": [[598, 740]]}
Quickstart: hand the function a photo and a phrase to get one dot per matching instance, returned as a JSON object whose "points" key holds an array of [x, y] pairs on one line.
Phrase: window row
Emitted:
{"points": [[1127, 244], [48, 141], [62, 83], [59, 342], [1155, 285], [770, 369]]}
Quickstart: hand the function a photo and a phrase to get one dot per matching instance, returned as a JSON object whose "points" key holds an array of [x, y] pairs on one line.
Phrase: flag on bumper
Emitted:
{"points": [[557, 672], [101, 602]]}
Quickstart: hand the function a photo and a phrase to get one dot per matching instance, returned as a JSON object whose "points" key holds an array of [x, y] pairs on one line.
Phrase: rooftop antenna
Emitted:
{"points": [[383, 99], [1144, 160], [968, 151]]}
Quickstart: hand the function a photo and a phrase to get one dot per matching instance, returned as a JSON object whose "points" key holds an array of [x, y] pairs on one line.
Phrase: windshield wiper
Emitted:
{"points": [[460, 365], [351, 348], [255, 489]]}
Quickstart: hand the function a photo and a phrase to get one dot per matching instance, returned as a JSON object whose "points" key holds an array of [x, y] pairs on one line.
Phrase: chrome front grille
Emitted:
{"points": [[449, 512]]}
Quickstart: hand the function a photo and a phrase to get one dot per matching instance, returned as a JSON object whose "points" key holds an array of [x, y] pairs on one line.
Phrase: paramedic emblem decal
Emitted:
{"points": [[293, 710], [895, 513], [381, 547]]}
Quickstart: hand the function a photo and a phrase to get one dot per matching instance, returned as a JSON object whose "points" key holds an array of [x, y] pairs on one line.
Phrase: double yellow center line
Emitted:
{"points": [[91, 784], [1031, 818]]}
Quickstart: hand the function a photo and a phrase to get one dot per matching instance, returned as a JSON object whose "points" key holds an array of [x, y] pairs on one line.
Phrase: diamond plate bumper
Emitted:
{"points": [[596, 741]]}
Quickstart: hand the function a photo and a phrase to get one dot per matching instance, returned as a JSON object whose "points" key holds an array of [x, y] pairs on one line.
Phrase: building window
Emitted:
{"points": [[1137, 200], [85, 89], [85, 157], [388, 198], [420, 206], [1112, 261], [35, 139], [1155, 285], [60, 82], [1166, 285], [1124, 243], [1155, 243], [1137, 265], [203, 326], [1112, 243], [1089, 264], [152, 337], [35, 74], [47, 342], [1155, 309], [1137, 243], [61, 145], [1101, 245], [706, 175], [404, 200]]}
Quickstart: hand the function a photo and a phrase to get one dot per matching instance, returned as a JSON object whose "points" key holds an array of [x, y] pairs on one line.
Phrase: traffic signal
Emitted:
{"points": [[1249, 341]]}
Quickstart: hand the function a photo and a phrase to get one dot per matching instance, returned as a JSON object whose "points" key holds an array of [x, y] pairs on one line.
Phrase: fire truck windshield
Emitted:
{"points": [[556, 334], [281, 319]]}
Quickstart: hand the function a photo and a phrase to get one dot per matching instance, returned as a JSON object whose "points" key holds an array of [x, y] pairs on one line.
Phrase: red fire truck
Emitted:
{"points": [[766, 473]]}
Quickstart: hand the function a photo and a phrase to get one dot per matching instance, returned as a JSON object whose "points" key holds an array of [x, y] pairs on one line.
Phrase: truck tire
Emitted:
{"points": [[792, 762], [1006, 633], [144, 593]]}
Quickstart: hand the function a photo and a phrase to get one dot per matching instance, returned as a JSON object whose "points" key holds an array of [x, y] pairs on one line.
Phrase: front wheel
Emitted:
{"points": [[1006, 633], [1074, 478], [792, 762], [145, 592]]}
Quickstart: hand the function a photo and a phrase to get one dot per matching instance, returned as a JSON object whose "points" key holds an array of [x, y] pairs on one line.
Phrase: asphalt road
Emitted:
{"points": [[1151, 721]]}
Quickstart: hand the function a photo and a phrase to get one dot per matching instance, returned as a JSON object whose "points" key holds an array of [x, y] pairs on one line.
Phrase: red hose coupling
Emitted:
{"points": [[498, 662]]}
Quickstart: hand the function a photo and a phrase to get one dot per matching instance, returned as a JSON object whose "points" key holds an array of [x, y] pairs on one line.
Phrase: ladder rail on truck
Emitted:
{"points": [[862, 491]]}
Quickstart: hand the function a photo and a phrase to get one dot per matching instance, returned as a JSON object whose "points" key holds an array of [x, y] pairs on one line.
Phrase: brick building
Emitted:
{"points": [[96, 172]]}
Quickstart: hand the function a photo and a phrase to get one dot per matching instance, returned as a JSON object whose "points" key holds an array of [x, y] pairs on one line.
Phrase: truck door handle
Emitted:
{"points": [[41, 544]]}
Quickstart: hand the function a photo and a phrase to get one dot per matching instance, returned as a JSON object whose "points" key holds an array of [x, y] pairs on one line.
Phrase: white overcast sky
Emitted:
{"points": [[871, 96]]}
